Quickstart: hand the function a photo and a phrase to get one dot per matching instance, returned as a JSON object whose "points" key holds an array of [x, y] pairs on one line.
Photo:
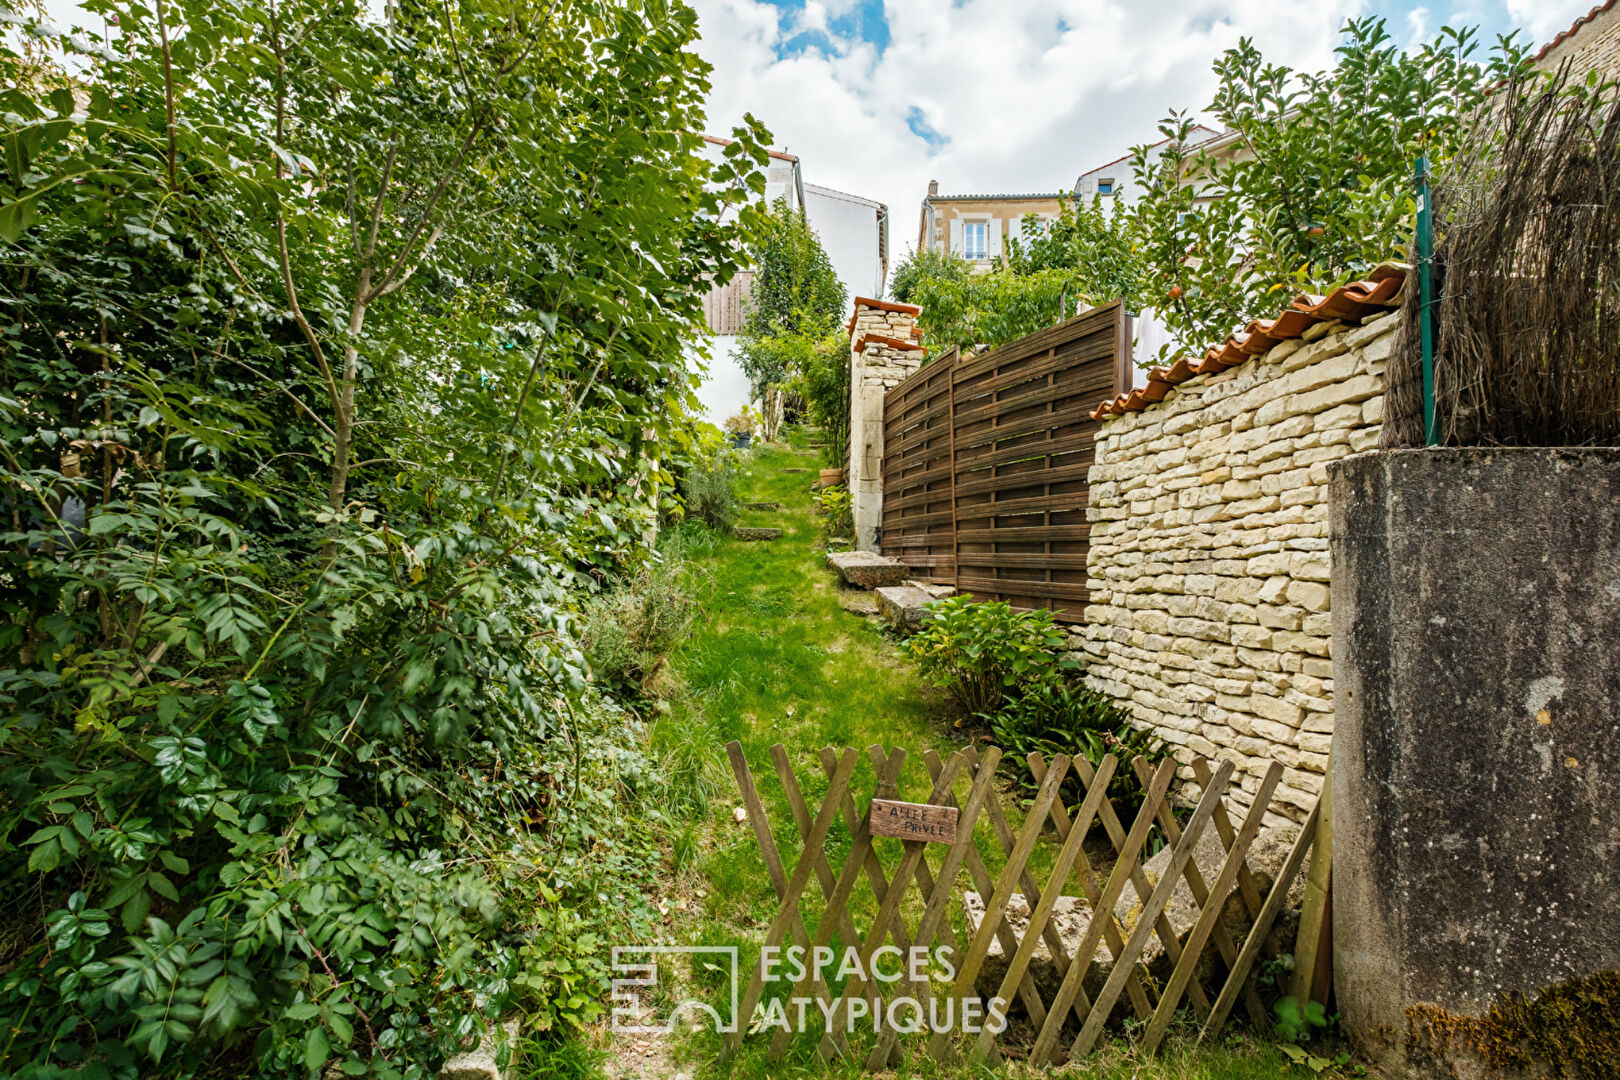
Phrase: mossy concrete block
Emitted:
{"points": [[1476, 763], [741, 533], [905, 607]]}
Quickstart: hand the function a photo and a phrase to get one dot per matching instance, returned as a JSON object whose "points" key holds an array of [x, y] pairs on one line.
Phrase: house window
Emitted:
{"points": [[1105, 187], [973, 240]]}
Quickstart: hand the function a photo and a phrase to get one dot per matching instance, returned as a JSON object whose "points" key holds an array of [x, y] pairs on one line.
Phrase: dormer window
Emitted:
{"points": [[1105, 187]]}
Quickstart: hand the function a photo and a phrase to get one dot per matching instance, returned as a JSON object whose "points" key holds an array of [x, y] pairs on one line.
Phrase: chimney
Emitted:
{"points": [[933, 188]]}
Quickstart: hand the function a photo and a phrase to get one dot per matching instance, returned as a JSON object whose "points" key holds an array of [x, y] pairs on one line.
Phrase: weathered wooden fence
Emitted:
{"points": [[985, 461], [902, 896]]}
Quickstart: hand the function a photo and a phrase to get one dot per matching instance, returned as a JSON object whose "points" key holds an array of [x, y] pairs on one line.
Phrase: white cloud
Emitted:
{"points": [[1029, 93], [1545, 19], [1417, 27]]}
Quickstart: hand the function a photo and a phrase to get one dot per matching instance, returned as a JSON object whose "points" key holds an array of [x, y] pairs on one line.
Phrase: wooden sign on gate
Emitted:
{"points": [[914, 821]]}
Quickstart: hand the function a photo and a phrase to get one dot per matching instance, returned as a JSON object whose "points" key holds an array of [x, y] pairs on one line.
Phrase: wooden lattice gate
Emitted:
{"points": [[900, 895], [985, 460]]}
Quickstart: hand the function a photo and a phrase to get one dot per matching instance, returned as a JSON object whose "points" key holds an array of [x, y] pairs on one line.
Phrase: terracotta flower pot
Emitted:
{"points": [[830, 477]]}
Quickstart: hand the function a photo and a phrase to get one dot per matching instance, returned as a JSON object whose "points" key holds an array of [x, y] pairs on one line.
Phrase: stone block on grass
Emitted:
{"points": [[867, 569], [904, 607]]}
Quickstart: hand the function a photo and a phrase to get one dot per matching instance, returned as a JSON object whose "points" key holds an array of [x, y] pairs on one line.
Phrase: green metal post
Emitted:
{"points": [[1425, 260]]}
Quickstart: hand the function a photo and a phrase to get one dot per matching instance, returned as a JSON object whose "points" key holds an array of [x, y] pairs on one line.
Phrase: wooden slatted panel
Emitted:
{"points": [[917, 526], [725, 306], [1024, 447], [986, 459]]}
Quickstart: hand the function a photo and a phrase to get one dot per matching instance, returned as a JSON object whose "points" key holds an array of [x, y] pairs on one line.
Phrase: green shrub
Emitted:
{"points": [[824, 386], [836, 507], [297, 745], [979, 652], [1057, 716], [629, 632], [709, 491]]}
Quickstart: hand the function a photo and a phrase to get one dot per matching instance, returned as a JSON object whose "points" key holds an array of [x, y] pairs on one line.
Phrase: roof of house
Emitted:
{"points": [[1379, 292], [822, 189], [1126, 157], [1026, 195], [1574, 28], [777, 154]]}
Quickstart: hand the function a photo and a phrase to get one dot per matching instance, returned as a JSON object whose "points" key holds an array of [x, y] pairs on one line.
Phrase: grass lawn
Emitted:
{"points": [[775, 659]]}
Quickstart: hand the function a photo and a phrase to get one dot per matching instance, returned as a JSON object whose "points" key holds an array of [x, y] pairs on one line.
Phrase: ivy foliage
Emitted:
{"points": [[794, 301], [338, 355]]}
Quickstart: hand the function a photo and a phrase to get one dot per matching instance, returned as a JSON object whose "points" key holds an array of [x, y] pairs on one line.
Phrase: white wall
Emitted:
{"points": [[724, 390], [1125, 187], [848, 226], [849, 229]]}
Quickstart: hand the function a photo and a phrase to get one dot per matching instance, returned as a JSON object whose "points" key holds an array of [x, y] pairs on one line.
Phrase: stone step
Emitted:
{"points": [[938, 592], [741, 533], [867, 569], [763, 506], [905, 607]]}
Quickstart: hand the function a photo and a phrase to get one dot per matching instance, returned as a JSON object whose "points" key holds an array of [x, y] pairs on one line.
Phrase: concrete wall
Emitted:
{"points": [[1476, 783], [882, 353], [1208, 564]]}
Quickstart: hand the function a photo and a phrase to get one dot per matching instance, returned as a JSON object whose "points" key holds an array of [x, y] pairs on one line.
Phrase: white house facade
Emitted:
{"points": [[854, 231]]}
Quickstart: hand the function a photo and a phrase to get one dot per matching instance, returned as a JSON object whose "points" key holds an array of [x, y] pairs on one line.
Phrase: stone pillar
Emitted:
{"points": [[1476, 763], [883, 349]]}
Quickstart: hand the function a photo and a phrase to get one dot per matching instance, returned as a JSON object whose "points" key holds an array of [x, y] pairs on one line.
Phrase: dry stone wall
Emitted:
{"points": [[1208, 565], [883, 350]]}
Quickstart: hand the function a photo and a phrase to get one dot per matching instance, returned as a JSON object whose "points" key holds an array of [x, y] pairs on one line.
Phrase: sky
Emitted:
{"points": [[877, 97]]}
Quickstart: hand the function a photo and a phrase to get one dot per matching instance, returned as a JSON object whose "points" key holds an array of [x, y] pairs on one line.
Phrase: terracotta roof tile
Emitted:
{"points": [[1574, 28], [1357, 300], [881, 305], [777, 154]]}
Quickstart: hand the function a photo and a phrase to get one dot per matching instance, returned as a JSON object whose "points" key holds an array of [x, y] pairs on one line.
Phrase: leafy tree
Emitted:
{"points": [[1314, 191], [962, 309], [1090, 238], [795, 300], [338, 357], [1321, 190], [921, 270]]}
